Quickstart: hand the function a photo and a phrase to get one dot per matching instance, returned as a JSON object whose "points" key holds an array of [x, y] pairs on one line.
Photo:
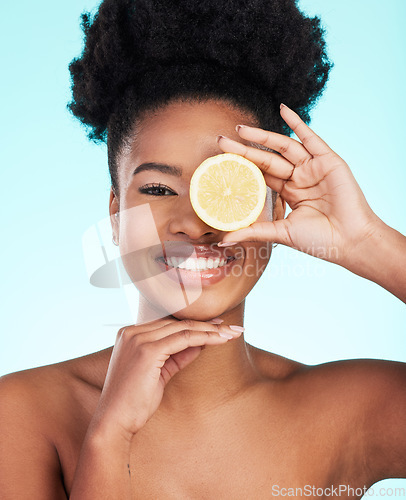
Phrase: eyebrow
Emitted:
{"points": [[159, 167]]}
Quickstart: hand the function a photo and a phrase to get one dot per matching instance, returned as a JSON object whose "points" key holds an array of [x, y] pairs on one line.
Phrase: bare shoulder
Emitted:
{"points": [[52, 387], [33, 393], [36, 407], [361, 402], [370, 396], [29, 462]]}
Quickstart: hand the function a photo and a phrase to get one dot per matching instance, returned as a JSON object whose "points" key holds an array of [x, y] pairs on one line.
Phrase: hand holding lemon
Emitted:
{"points": [[330, 215]]}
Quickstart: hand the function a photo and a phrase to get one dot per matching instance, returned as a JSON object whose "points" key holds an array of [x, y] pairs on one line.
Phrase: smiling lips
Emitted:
{"points": [[194, 257], [196, 264]]}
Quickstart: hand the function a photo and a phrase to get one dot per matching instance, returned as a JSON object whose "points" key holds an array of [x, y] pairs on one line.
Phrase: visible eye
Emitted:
{"points": [[156, 190]]}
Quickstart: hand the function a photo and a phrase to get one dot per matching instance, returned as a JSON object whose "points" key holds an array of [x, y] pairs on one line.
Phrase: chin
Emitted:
{"points": [[206, 309]]}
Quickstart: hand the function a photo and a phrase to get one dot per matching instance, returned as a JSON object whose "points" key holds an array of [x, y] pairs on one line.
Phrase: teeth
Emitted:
{"points": [[200, 264]]}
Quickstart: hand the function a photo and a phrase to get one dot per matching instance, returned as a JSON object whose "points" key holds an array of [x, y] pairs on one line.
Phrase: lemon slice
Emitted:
{"points": [[228, 192]]}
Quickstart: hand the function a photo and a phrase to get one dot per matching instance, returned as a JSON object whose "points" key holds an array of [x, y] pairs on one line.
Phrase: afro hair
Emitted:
{"points": [[140, 54]]}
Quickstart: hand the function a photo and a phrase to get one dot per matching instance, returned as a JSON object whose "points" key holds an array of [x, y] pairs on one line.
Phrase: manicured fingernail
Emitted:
{"points": [[226, 243], [232, 145], [226, 335], [216, 321], [237, 128], [237, 328], [283, 105]]}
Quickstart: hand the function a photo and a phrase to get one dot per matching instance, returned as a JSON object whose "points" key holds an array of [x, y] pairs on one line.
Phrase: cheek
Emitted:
{"points": [[259, 251], [137, 228], [138, 238], [257, 255]]}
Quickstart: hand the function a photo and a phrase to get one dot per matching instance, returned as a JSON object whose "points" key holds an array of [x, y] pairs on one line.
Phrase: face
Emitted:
{"points": [[157, 228]]}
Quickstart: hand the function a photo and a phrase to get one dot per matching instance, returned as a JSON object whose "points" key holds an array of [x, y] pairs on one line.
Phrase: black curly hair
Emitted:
{"points": [[141, 54]]}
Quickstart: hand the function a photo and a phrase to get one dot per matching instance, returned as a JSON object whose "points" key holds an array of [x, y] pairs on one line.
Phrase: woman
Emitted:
{"points": [[171, 411]]}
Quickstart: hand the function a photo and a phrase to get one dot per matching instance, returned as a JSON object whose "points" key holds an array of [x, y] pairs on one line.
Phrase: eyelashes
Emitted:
{"points": [[156, 189]]}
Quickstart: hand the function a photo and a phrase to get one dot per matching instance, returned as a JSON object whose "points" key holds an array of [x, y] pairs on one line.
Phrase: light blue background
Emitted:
{"points": [[55, 185]]}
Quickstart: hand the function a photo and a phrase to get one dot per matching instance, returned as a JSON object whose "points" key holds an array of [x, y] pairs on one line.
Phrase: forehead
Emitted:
{"points": [[184, 133], [195, 116]]}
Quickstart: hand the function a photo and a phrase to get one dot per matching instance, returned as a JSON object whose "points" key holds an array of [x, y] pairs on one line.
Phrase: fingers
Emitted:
{"points": [[162, 330], [187, 324], [276, 184], [270, 163], [148, 325], [156, 322], [190, 338], [276, 232], [291, 150], [311, 141]]}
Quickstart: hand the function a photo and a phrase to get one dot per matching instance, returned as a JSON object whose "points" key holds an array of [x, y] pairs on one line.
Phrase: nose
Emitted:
{"points": [[186, 222]]}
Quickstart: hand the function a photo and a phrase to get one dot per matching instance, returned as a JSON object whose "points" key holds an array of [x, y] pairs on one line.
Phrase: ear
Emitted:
{"points": [[279, 208], [113, 210]]}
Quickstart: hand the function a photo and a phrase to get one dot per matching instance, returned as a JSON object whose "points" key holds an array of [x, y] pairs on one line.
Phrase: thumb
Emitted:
{"points": [[185, 357], [275, 232]]}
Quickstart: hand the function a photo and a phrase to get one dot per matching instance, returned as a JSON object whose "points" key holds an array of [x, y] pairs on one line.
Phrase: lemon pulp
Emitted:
{"points": [[228, 192]]}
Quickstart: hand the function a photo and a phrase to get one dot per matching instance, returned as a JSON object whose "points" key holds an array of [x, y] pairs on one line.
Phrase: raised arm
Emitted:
{"points": [[330, 216], [144, 359], [103, 469], [382, 258]]}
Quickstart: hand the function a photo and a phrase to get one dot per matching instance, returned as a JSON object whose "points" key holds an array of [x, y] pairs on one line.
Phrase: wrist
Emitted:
{"points": [[108, 434], [102, 470], [381, 258], [362, 256]]}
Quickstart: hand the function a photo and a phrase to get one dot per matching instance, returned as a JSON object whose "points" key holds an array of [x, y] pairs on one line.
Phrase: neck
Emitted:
{"points": [[216, 376]]}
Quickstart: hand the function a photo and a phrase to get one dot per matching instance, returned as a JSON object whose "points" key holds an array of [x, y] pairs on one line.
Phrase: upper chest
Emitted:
{"points": [[243, 453], [228, 463]]}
